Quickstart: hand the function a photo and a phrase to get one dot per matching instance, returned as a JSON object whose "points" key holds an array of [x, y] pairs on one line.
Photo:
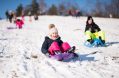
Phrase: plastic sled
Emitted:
{"points": [[96, 43]]}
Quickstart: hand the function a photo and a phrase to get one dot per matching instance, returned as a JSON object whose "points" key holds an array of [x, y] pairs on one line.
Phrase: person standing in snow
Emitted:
{"points": [[55, 48], [11, 16], [78, 13], [22, 15], [7, 14], [93, 31], [29, 14], [36, 17]]}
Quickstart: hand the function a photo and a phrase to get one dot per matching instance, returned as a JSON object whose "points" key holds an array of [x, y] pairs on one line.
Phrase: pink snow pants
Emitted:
{"points": [[55, 47], [63, 48]]}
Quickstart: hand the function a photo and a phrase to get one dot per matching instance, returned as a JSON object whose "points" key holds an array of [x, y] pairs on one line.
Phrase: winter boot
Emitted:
{"points": [[57, 52], [72, 49]]}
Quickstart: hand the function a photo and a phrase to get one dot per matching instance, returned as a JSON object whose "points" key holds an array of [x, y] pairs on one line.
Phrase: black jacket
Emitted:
{"points": [[92, 27], [46, 44]]}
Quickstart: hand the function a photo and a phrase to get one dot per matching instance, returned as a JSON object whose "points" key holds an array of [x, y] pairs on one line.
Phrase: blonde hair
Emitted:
{"points": [[51, 26]]}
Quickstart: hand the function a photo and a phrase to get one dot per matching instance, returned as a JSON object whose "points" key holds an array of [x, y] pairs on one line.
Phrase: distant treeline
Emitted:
{"points": [[100, 9]]}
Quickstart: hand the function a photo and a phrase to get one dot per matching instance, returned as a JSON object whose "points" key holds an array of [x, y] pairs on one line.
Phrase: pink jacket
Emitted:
{"points": [[19, 22]]}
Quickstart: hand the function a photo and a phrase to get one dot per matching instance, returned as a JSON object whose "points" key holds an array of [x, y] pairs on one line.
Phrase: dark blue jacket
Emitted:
{"points": [[46, 44], [92, 27]]}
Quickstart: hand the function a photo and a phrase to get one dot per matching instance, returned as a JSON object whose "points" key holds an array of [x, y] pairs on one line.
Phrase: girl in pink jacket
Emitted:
{"points": [[19, 23]]}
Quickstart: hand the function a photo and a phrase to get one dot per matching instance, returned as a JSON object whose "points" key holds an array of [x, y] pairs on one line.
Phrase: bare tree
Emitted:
{"points": [[42, 6], [106, 9], [99, 9], [27, 9], [62, 9], [114, 6]]}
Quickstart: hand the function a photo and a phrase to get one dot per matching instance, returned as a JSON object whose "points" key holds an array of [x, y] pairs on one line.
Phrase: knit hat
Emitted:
{"points": [[52, 29]]}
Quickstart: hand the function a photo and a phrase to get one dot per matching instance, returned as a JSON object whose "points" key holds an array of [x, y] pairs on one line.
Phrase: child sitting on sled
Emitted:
{"points": [[55, 48], [95, 37]]}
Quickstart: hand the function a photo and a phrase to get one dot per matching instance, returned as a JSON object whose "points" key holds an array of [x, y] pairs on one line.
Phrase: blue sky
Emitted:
{"points": [[12, 4]]}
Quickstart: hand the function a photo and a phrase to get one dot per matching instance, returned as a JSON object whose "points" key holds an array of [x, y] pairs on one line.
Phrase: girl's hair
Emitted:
{"points": [[89, 17], [51, 26]]}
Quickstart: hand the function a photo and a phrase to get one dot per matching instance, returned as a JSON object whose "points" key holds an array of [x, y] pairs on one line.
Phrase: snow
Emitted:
{"points": [[21, 57]]}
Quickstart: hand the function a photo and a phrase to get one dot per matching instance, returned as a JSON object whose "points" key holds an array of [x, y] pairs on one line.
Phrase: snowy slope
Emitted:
{"points": [[17, 48]]}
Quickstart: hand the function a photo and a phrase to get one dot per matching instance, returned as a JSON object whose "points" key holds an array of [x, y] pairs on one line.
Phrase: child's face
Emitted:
{"points": [[90, 21], [54, 35]]}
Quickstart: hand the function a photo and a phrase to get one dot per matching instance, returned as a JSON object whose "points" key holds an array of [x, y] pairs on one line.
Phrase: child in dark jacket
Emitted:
{"points": [[93, 32], [54, 47]]}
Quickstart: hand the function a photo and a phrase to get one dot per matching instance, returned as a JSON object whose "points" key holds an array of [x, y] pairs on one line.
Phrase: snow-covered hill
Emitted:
{"points": [[17, 48]]}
